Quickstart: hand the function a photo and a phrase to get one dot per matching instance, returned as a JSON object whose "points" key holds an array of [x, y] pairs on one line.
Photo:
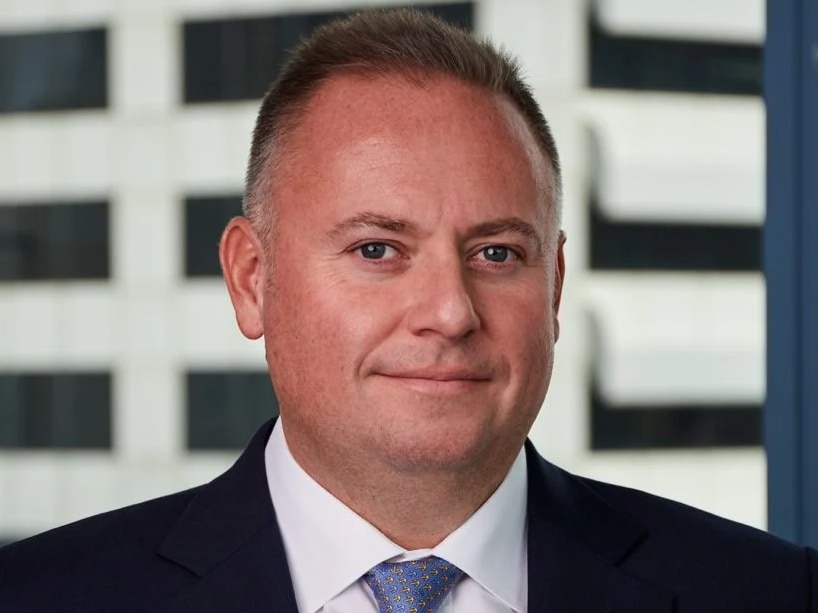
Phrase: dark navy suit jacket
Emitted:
{"points": [[592, 548]]}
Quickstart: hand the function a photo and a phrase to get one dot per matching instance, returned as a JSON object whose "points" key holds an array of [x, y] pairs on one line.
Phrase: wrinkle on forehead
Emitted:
{"points": [[399, 111]]}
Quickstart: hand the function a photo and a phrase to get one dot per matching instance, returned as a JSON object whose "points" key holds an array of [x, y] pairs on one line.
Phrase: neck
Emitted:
{"points": [[448, 499]]}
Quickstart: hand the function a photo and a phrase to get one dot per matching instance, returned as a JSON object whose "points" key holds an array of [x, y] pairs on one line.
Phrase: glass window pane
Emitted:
{"points": [[205, 219], [62, 411], [54, 241], [646, 245], [224, 409], [631, 62], [238, 58], [49, 71], [673, 426]]}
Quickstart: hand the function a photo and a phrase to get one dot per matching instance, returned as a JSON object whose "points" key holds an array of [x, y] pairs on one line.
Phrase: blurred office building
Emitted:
{"points": [[124, 132]]}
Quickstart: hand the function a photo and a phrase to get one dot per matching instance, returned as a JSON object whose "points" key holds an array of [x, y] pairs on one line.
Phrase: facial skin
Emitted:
{"points": [[409, 298]]}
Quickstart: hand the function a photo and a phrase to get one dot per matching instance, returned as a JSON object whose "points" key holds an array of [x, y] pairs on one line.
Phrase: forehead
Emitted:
{"points": [[435, 125]]}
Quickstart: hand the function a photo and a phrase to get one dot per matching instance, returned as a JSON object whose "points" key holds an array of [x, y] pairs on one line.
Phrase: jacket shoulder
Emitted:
{"points": [[72, 558], [696, 552], [665, 518]]}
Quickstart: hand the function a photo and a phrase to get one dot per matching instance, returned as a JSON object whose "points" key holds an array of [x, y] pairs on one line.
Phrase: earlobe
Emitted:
{"points": [[242, 262]]}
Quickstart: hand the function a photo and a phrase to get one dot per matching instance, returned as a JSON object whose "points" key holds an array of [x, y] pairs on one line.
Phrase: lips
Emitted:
{"points": [[437, 381], [438, 375]]}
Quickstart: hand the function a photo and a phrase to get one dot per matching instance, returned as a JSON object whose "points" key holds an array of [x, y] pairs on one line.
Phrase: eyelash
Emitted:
{"points": [[514, 253], [359, 249]]}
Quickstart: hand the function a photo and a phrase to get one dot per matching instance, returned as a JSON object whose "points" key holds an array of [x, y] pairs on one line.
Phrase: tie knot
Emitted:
{"points": [[419, 586]]}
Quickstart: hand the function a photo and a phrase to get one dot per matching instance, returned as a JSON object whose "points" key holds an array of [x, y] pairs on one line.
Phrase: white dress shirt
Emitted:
{"points": [[330, 547]]}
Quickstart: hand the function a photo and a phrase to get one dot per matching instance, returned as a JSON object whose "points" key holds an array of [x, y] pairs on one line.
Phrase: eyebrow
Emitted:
{"points": [[514, 225], [368, 220]]}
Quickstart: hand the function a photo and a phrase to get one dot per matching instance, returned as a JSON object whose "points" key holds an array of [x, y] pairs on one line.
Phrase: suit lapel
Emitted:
{"points": [[228, 537], [576, 543]]}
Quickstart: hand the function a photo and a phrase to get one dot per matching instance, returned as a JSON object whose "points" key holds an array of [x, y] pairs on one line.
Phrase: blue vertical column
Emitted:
{"points": [[791, 268]]}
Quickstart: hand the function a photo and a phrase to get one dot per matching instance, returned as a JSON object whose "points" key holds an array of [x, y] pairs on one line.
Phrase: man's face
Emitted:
{"points": [[409, 312]]}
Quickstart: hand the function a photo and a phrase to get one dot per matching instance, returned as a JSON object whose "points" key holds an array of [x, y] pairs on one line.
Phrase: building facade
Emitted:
{"points": [[124, 131]]}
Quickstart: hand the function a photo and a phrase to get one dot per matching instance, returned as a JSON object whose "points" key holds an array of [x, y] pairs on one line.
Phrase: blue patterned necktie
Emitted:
{"points": [[419, 586]]}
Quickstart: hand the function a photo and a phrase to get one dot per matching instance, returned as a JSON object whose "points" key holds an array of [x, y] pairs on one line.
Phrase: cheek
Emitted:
{"points": [[526, 328], [319, 326], [523, 314]]}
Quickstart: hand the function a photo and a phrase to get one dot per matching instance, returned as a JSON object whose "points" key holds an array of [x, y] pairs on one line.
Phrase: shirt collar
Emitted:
{"points": [[320, 532], [491, 546]]}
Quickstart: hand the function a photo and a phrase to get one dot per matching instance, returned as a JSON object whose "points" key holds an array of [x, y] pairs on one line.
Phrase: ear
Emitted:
{"points": [[242, 259], [559, 280]]}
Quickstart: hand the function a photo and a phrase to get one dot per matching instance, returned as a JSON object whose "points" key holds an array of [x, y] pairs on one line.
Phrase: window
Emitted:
{"points": [[644, 63], [205, 219], [55, 410], [49, 71], [225, 408], [237, 59], [651, 245], [673, 426], [54, 241]]}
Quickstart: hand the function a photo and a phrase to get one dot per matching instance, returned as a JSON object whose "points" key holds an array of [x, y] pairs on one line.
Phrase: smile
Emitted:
{"points": [[437, 384]]}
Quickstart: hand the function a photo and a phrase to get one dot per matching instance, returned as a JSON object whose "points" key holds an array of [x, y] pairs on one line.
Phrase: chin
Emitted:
{"points": [[445, 451]]}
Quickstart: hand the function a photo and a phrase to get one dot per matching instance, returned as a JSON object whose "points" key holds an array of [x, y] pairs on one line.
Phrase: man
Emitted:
{"points": [[401, 256]]}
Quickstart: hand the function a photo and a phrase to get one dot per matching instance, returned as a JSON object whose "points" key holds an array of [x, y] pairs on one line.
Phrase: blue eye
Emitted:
{"points": [[496, 254], [374, 251]]}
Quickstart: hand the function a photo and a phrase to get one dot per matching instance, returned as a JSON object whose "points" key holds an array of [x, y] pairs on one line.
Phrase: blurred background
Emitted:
{"points": [[124, 131]]}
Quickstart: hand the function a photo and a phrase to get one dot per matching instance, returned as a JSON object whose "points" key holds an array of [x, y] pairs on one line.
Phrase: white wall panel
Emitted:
{"points": [[146, 56], [61, 155], [210, 336], [730, 483], [92, 326], [718, 20], [57, 325], [679, 338], [553, 64], [202, 9], [32, 495], [214, 144], [86, 485], [31, 331], [145, 154], [88, 325], [148, 247], [148, 420], [34, 15], [678, 158]]}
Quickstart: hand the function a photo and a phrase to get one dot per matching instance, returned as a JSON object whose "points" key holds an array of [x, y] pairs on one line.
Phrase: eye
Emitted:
{"points": [[375, 251], [496, 253]]}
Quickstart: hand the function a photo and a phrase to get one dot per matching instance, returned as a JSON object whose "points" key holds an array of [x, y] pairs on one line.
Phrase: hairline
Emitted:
{"points": [[258, 191]]}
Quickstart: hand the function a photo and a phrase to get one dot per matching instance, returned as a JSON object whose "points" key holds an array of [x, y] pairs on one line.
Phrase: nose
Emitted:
{"points": [[442, 302]]}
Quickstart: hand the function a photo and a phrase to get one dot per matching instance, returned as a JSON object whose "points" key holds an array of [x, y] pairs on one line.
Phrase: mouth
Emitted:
{"points": [[437, 382]]}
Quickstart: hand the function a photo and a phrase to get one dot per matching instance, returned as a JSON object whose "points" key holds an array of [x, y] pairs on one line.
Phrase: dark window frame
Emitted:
{"points": [[633, 62], [645, 245], [672, 426], [55, 70], [237, 58], [205, 218], [218, 421], [55, 241], [61, 410]]}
